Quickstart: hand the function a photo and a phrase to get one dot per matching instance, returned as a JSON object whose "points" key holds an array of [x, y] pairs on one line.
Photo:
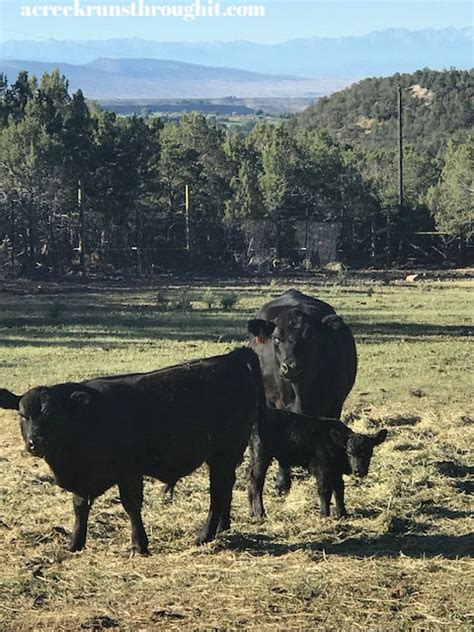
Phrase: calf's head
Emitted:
{"points": [[297, 340], [43, 411], [358, 447]]}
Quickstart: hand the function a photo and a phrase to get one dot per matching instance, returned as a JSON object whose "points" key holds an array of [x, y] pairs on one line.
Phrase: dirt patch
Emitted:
{"points": [[418, 92]]}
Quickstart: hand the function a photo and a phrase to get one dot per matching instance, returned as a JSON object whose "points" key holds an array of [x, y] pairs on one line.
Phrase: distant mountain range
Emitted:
{"points": [[106, 78], [378, 53]]}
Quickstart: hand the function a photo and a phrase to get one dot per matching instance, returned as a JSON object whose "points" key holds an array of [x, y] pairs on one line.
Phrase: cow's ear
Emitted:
{"points": [[332, 320], [80, 398], [338, 437], [9, 400], [45, 400], [261, 329], [380, 436]]}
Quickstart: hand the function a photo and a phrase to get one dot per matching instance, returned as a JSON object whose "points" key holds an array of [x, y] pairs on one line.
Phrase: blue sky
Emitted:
{"points": [[285, 19]]}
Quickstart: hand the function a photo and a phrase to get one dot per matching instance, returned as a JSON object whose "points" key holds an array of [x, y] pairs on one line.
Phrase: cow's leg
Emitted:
{"points": [[224, 520], [221, 477], [338, 485], [131, 495], [325, 488], [260, 459], [82, 508]]}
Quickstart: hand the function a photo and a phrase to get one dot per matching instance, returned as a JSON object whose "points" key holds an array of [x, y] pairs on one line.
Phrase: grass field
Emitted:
{"points": [[402, 561]]}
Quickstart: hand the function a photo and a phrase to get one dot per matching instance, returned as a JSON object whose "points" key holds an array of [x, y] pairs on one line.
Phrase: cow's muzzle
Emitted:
{"points": [[35, 447]]}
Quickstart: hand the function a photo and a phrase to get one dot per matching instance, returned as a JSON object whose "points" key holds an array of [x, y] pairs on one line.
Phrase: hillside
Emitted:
{"points": [[106, 78], [378, 53], [436, 106]]}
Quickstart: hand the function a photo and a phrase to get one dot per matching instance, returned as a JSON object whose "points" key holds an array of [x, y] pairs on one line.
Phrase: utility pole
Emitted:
{"points": [[186, 214], [400, 150], [12, 239], [306, 255], [82, 231]]}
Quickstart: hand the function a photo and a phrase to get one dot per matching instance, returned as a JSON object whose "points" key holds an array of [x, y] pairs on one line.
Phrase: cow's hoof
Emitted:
{"points": [[258, 516], [137, 550], [223, 527], [74, 547], [258, 519], [205, 536]]}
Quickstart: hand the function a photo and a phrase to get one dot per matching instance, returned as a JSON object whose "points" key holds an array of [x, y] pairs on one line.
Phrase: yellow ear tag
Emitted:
{"points": [[262, 340]]}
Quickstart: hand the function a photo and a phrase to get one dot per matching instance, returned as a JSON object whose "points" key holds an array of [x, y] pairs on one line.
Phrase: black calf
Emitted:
{"points": [[164, 424], [325, 447]]}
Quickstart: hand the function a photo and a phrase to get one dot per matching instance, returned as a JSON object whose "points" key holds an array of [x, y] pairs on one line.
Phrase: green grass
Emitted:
{"points": [[402, 561]]}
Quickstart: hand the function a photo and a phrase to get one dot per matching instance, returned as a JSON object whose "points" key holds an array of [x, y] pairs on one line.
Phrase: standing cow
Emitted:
{"points": [[308, 358], [164, 424]]}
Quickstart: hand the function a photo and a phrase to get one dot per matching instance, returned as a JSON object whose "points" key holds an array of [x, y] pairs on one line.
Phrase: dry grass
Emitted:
{"points": [[402, 561]]}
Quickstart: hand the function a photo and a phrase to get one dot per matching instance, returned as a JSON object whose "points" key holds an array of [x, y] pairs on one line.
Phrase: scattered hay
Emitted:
{"points": [[402, 560]]}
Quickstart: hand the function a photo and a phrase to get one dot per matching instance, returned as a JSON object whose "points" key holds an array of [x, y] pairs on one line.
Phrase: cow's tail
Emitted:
{"points": [[253, 364]]}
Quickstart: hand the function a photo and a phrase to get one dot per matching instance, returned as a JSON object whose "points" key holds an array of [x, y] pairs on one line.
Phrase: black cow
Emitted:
{"points": [[325, 447], [162, 424], [307, 355]]}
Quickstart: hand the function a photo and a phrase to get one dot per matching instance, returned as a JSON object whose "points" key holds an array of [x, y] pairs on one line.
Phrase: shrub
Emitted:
{"points": [[183, 303], [341, 278], [228, 300], [162, 301], [209, 298], [56, 311]]}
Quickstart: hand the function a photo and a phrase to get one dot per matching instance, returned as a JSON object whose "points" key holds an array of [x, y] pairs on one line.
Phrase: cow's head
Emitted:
{"points": [[43, 411], [358, 447], [295, 337]]}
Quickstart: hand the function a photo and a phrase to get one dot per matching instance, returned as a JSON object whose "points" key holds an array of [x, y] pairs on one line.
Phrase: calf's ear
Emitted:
{"points": [[9, 400], [80, 398], [380, 436], [261, 329], [333, 321], [338, 438]]}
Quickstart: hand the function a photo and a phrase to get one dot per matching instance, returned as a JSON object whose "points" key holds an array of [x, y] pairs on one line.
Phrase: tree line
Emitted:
{"points": [[84, 189]]}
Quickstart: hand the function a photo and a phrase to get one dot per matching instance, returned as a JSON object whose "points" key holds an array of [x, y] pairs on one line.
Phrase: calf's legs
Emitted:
{"points": [[260, 459], [131, 495], [222, 478], [325, 488], [338, 485], [329, 482], [82, 508]]}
